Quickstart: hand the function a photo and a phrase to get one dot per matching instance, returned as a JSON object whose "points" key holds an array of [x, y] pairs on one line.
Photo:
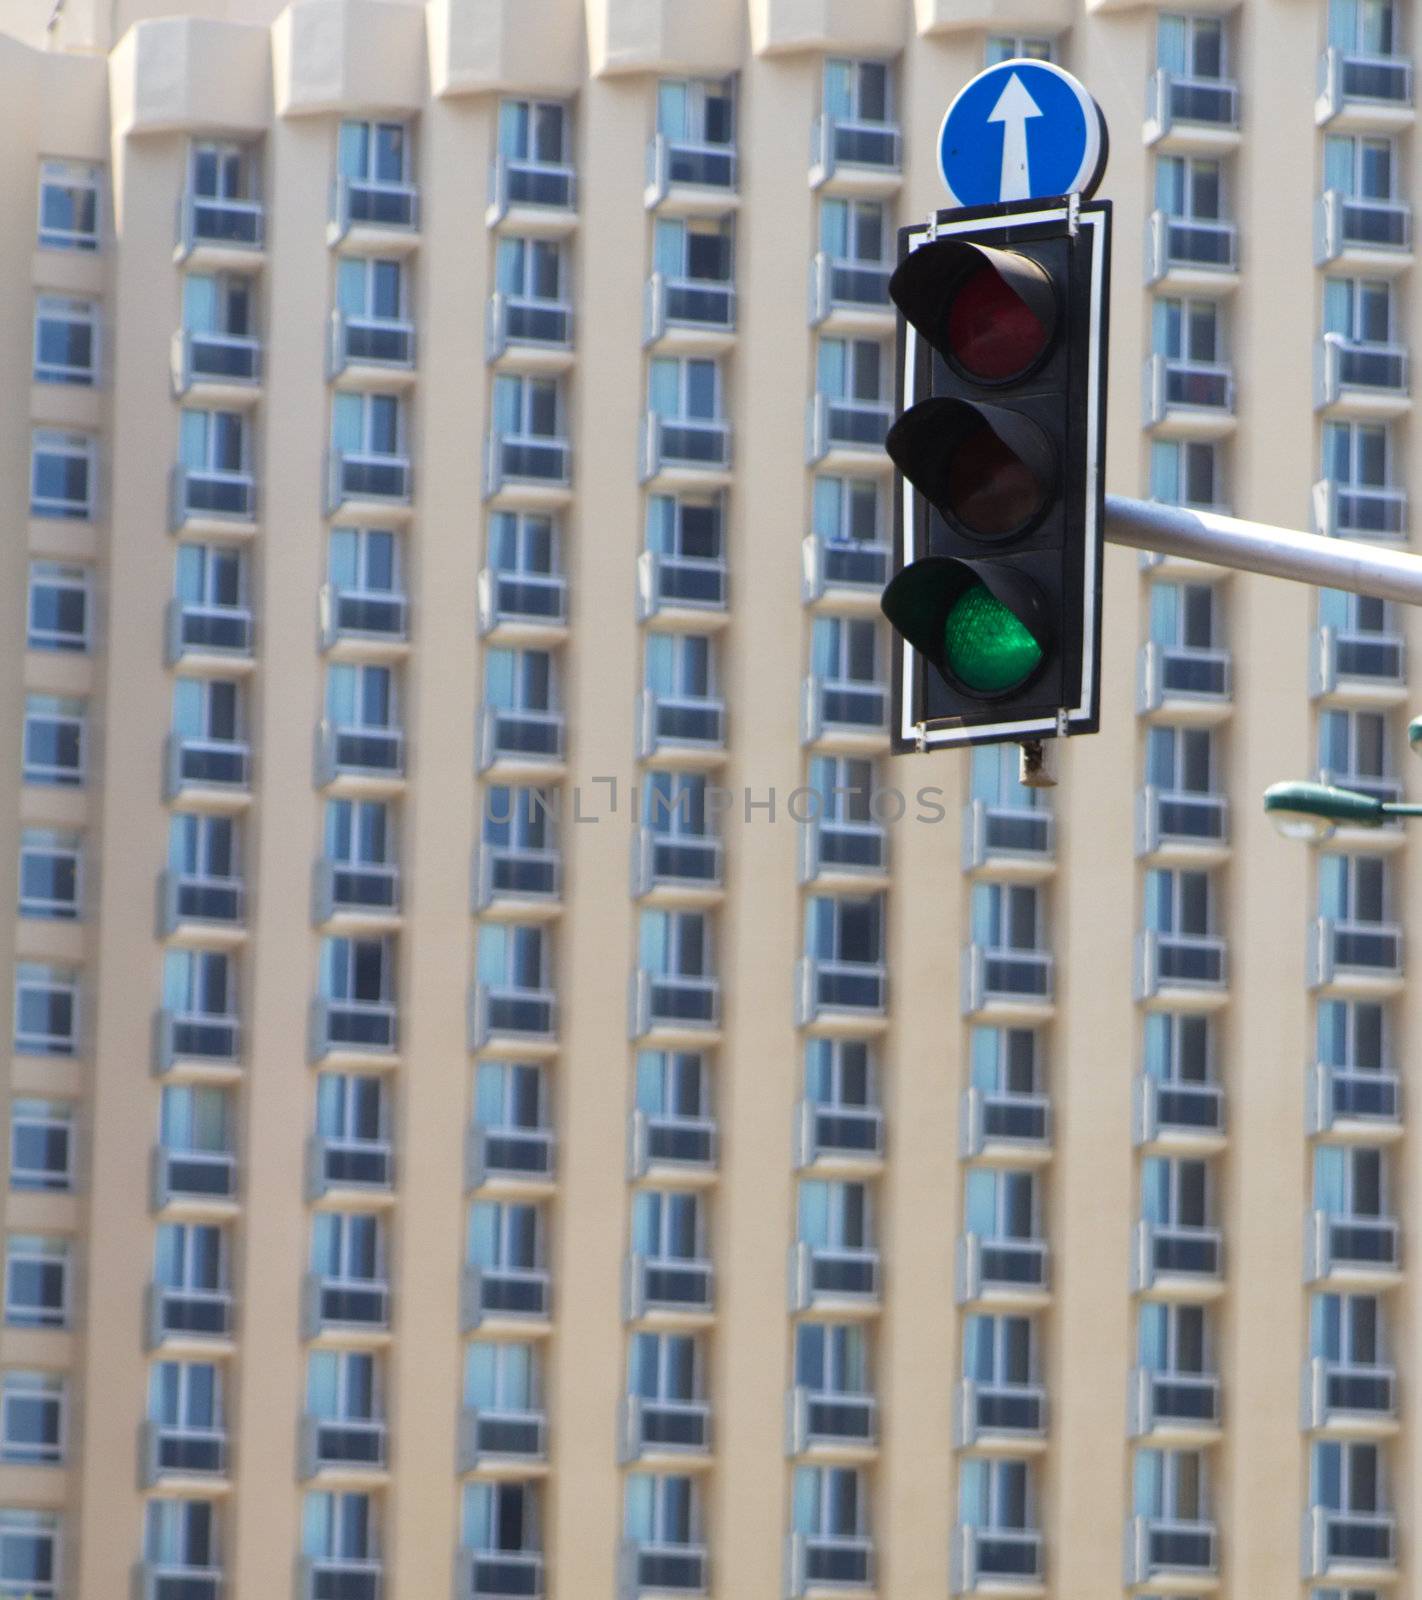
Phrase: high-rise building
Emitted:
{"points": [[511, 1091]]}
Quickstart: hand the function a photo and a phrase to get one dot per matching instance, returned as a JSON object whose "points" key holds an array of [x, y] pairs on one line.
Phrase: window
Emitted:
{"points": [[343, 1386], [832, 1357], [348, 1246], [1170, 1485], [370, 290], [1353, 888], [31, 1424], [1350, 1182], [1347, 1476], [1175, 1193], [361, 695], [509, 1094], [66, 340], [843, 787], [534, 132], [1358, 454], [36, 1281], [673, 1083], [1347, 1329], [1364, 27], [850, 371], [523, 543], [218, 306], [501, 1377], [368, 424], [1007, 916], [840, 1073], [855, 231], [181, 1534], [1190, 188], [46, 1010], [1179, 903], [1183, 616], [360, 833], [834, 1216], [859, 91], [191, 1258], [849, 510], [995, 1494], [41, 1144], [1178, 1048], [1353, 1035], [1191, 47], [696, 111], [675, 944], [519, 680], [29, 1554], [207, 710], [223, 171], [339, 1528], [527, 408], [1186, 472], [203, 846], [681, 666], [668, 1225], [830, 1503], [1001, 1204], [374, 152], [199, 983], [69, 205], [360, 970], [500, 1518], [213, 443], [684, 388], [351, 1108], [1358, 309], [1362, 168], [61, 475], [1181, 760], [196, 1121], [1173, 1339], [1016, 47], [845, 649], [1006, 1061], [58, 606], [995, 779], [845, 928], [515, 956], [696, 250], [50, 865], [661, 1509], [504, 1237], [999, 1351], [1187, 330], [1354, 744], [664, 1367], [54, 740]]}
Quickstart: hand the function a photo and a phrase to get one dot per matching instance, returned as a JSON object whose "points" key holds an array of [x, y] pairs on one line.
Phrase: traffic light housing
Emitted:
{"points": [[999, 446]]}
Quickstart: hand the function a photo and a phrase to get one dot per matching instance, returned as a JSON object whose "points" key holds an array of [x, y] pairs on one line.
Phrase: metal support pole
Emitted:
{"points": [[1363, 568]]}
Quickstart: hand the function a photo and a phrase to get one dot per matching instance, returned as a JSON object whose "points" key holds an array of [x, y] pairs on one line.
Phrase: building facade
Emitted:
{"points": [[512, 1091]]}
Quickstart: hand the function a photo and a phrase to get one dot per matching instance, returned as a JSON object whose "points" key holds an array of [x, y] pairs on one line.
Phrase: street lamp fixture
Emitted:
{"points": [[1314, 810]]}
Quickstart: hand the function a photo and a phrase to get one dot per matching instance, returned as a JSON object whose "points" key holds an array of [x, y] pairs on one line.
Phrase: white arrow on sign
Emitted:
{"points": [[1014, 108]]}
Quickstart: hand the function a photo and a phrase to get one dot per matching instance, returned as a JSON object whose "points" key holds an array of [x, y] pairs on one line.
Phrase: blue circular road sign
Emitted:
{"points": [[1022, 130]]}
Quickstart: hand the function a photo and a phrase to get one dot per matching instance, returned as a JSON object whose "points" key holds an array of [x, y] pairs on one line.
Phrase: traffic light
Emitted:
{"points": [[999, 448]]}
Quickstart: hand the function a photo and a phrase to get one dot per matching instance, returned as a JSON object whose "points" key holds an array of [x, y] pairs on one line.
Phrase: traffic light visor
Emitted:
{"points": [[989, 471], [991, 314], [984, 627]]}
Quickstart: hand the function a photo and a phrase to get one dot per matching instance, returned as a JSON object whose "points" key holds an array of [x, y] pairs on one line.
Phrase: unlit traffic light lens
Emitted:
{"points": [[990, 489], [993, 334], [986, 646]]}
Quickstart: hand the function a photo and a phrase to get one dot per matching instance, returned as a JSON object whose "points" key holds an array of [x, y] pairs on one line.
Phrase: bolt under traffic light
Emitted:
{"points": [[998, 523]]}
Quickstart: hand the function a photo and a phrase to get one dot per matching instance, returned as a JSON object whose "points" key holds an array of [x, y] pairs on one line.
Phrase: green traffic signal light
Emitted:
{"points": [[985, 627], [986, 646]]}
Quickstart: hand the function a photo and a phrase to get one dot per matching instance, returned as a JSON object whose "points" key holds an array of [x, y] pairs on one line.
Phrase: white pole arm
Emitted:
{"points": [[1363, 568]]}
